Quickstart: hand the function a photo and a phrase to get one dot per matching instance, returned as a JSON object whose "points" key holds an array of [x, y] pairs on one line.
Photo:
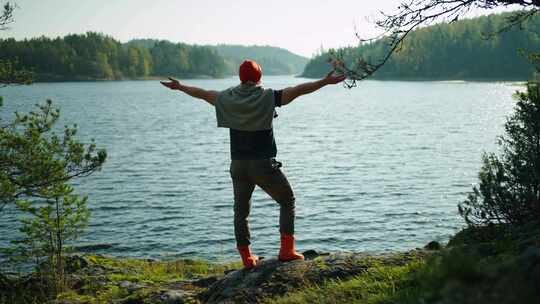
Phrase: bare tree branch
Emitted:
{"points": [[7, 15]]}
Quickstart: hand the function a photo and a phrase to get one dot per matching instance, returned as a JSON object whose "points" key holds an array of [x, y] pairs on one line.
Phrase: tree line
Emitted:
{"points": [[274, 60], [93, 56], [465, 49]]}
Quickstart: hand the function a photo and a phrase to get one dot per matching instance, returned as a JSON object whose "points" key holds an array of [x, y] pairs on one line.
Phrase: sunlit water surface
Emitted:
{"points": [[380, 167]]}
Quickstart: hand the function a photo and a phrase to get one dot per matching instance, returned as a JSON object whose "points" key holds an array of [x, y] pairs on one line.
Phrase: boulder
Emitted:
{"points": [[130, 287], [74, 263], [272, 278], [433, 245], [171, 297]]}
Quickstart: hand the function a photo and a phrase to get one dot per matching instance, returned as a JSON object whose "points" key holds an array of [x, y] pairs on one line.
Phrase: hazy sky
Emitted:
{"points": [[301, 26]]}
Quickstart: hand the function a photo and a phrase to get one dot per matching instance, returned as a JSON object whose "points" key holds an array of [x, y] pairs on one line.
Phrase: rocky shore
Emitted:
{"points": [[495, 264], [270, 279]]}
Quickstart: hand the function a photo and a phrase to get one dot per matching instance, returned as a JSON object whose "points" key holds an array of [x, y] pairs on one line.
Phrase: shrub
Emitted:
{"points": [[37, 168], [509, 188]]}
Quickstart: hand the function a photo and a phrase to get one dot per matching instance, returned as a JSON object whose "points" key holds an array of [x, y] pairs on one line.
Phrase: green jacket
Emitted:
{"points": [[246, 107]]}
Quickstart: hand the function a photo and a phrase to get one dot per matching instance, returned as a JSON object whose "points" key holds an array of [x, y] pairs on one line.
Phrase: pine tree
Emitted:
{"points": [[509, 188]]}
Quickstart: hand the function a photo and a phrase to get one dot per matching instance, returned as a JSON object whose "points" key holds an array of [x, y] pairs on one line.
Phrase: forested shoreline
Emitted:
{"points": [[462, 50], [95, 56], [455, 51]]}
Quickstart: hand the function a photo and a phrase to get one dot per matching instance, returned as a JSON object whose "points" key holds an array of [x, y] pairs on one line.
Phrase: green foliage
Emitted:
{"points": [[137, 270], [152, 274], [457, 50], [36, 160], [97, 56], [481, 267], [11, 76], [36, 169], [490, 272], [509, 188], [51, 225], [274, 61], [23, 290], [378, 284]]}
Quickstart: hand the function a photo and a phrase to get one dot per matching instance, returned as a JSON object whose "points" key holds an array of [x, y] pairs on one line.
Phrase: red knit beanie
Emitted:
{"points": [[250, 71]]}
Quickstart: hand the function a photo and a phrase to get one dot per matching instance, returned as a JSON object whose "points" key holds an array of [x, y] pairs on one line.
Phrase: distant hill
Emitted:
{"points": [[274, 60], [457, 50], [96, 56]]}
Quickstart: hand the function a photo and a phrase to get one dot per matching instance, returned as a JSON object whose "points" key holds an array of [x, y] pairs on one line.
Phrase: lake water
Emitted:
{"points": [[380, 167]]}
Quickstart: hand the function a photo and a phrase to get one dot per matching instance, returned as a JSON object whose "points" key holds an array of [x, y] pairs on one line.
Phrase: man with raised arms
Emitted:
{"points": [[247, 110]]}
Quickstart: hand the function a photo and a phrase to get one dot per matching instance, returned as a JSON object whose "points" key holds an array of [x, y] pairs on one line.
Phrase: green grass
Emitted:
{"points": [[104, 287], [135, 270], [378, 284], [482, 267], [151, 273]]}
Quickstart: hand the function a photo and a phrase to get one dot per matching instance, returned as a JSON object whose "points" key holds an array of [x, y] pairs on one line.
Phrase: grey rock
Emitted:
{"points": [[130, 287], [171, 297], [229, 271], [433, 245], [204, 282], [77, 282], [310, 254], [274, 278]]}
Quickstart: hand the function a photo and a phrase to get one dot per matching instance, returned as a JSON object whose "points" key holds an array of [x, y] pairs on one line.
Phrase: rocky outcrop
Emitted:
{"points": [[270, 278], [274, 278]]}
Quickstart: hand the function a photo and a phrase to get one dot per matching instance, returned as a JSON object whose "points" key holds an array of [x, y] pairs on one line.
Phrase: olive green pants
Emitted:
{"points": [[265, 173]]}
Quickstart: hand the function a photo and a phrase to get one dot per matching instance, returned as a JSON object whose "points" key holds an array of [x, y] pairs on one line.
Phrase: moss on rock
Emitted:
{"points": [[488, 265]]}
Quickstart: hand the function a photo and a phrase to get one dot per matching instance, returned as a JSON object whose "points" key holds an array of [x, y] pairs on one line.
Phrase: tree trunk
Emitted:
{"points": [[59, 268]]}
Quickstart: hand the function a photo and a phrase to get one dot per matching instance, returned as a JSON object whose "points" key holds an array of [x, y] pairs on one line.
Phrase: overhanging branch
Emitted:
{"points": [[413, 14]]}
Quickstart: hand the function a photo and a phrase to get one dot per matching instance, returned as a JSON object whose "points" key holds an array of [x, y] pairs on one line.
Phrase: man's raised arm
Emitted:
{"points": [[289, 94], [208, 96]]}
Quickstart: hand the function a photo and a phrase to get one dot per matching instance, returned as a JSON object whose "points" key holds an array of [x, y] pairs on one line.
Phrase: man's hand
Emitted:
{"points": [[208, 96], [173, 84], [333, 79]]}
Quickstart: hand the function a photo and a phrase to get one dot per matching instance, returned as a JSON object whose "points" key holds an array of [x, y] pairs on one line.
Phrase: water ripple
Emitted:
{"points": [[378, 168]]}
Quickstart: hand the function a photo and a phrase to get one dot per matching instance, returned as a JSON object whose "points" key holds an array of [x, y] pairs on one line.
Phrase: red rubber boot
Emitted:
{"points": [[287, 252], [248, 259]]}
